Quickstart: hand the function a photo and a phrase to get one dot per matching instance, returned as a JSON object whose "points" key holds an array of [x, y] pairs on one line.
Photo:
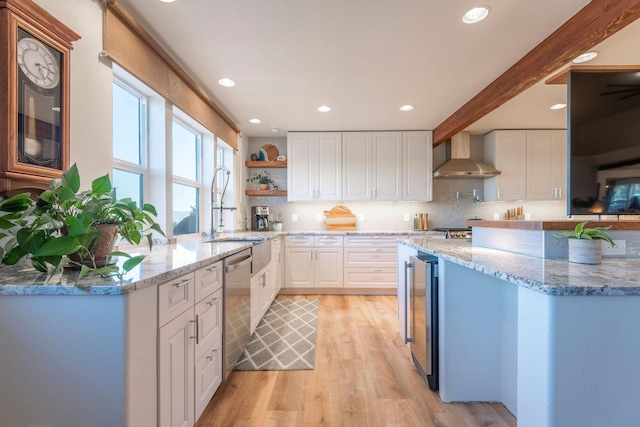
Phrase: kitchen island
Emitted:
{"points": [[557, 343]]}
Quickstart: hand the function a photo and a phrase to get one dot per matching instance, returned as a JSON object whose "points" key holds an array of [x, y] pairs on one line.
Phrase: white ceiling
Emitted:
{"points": [[364, 58]]}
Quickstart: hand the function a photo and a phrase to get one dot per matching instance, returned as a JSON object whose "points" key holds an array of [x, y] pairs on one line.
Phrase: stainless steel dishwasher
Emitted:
{"points": [[237, 308]]}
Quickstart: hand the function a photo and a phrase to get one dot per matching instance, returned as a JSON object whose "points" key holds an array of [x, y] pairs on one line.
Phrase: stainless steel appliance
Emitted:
{"points": [[259, 218], [237, 307], [455, 233], [422, 315]]}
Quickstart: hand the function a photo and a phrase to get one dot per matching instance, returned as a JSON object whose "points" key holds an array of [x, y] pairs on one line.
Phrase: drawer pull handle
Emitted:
{"points": [[212, 269], [214, 354], [376, 271], [213, 301], [376, 250], [177, 285]]}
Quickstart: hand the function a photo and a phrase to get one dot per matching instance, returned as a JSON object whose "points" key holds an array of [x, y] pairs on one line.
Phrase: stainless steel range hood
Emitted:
{"points": [[461, 165]]}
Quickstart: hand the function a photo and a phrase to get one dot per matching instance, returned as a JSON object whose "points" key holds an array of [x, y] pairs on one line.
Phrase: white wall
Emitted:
{"points": [[90, 87]]}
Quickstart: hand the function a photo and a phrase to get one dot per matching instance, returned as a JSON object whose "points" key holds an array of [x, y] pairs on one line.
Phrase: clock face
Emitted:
{"points": [[38, 63]]}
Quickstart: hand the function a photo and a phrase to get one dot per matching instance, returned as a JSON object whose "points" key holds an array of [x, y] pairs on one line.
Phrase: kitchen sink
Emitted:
{"points": [[237, 239]]}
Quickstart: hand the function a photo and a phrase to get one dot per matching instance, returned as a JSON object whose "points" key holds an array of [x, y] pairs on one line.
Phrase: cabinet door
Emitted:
{"points": [[328, 156], [541, 147], [256, 286], [209, 319], [301, 166], [356, 164], [559, 166], [506, 151], [299, 272], [328, 267], [417, 154], [176, 368], [208, 376], [386, 165]]}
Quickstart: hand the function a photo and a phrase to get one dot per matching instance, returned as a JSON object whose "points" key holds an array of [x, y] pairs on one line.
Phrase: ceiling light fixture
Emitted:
{"points": [[255, 121], [406, 107], [588, 56], [227, 82], [476, 14], [167, 1], [274, 130], [324, 108], [557, 106]]}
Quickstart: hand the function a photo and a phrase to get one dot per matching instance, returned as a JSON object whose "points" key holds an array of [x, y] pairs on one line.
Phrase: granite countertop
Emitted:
{"points": [[164, 262], [615, 276]]}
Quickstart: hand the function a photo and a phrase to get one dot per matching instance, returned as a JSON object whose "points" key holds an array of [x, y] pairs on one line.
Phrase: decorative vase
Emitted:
{"points": [[277, 226], [585, 251]]}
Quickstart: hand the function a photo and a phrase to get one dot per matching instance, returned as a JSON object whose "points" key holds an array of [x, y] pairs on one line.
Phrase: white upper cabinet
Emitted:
{"points": [[417, 171], [533, 164], [314, 166], [372, 165]]}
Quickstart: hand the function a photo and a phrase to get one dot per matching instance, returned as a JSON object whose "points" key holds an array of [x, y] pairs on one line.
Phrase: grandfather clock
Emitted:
{"points": [[34, 96]]}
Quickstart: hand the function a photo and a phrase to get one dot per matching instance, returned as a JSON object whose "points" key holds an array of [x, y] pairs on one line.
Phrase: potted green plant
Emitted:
{"points": [[264, 180], [585, 243], [65, 227]]}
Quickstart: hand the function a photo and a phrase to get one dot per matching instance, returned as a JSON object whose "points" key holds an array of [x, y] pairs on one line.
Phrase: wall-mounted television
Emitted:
{"points": [[604, 143]]}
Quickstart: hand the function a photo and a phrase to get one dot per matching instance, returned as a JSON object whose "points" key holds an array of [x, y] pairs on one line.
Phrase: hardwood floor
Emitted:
{"points": [[364, 376]]}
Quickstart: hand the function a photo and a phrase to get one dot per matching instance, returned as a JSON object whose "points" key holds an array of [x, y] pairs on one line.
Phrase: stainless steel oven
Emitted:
{"points": [[422, 315]]}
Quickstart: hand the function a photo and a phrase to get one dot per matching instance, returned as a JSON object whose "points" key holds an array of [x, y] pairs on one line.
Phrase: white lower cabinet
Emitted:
{"points": [[260, 295], [314, 261], [370, 262], [189, 345]]}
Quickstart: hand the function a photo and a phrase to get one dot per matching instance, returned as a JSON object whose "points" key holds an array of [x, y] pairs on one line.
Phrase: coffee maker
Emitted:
{"points": [[259, 218]]}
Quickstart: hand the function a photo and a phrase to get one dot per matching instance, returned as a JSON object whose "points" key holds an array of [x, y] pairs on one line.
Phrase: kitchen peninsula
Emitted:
{"points": [[557, 343]]}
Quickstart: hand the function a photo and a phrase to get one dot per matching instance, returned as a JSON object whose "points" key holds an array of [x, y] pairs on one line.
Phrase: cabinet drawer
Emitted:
{"points": [[208, 372], [371, 241], [370, 278], [175, 297], [209, 320], [208, 280], [298, 241], [371, 257], [332, 241]]}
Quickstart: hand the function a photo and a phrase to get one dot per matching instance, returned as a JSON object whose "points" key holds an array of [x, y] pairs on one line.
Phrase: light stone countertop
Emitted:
{"points": [[164, 262], [615, 276]]}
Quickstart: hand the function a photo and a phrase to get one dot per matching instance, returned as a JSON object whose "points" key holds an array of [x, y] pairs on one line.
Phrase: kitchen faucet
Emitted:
{"points": [[213, 196]]}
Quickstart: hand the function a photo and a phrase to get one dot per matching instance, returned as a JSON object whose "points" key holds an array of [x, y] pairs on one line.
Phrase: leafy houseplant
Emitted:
{"points": [[63, 227], [585, 244], [264, 180]]}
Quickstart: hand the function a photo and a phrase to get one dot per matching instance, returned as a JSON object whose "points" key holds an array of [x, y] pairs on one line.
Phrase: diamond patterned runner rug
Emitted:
{"points": [[285, 338]]}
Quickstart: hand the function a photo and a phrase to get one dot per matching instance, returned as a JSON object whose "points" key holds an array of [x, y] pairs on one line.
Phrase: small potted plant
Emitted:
{"points": [[264, 180], [65, 227], [585, 243]]}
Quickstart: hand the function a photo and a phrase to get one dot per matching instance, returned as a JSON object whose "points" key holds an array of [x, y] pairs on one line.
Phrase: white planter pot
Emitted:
{"points": [[276, 227], [585, 251]]}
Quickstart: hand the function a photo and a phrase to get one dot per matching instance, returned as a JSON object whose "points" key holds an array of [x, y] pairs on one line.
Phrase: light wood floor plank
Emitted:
{"points": [[363, 376]]}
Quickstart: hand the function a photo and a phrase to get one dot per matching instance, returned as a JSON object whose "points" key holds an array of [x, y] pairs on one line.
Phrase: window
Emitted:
{"points": [[128, 142], [164, 157], [186, 179]]}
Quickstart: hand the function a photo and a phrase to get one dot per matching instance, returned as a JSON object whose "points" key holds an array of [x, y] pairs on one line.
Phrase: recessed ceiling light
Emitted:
{"points": [[255, 121], [406, 107], [227, 82], [557, 106], [167, 1], [476, 14], [274, 130], [324, 108], [588, 56]]}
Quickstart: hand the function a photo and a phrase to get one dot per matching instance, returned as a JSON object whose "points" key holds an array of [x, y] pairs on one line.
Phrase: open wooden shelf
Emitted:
{"points": [[265, 192], [265, 164]]}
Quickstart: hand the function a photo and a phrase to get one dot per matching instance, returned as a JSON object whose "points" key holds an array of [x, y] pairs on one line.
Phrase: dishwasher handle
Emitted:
{"points": [[407, 299], [239, 264]]}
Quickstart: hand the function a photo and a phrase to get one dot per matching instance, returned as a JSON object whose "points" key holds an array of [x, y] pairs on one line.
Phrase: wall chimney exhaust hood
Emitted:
{"points": [[461, 165]]}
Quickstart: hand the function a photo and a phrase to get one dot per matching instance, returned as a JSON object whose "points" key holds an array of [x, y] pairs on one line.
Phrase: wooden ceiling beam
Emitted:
{"points": [[594, 23]]}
